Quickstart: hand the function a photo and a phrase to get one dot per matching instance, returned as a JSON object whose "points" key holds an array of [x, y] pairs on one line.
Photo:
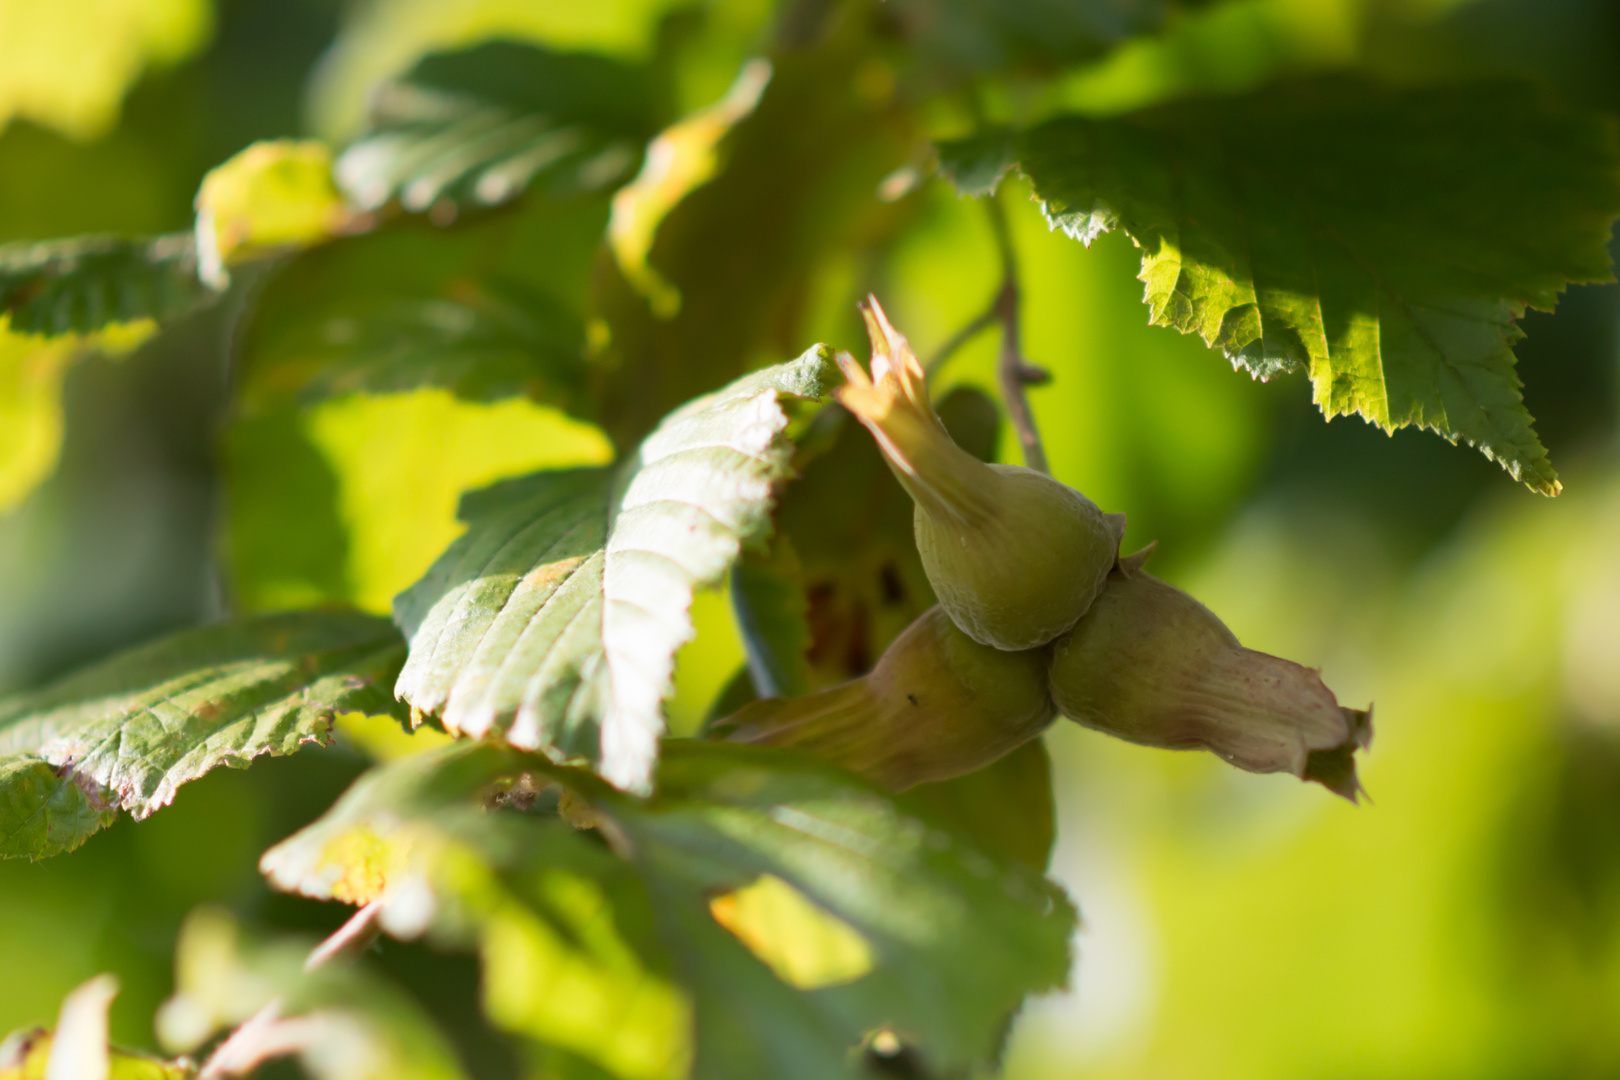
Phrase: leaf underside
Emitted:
{"points": [[555, 618], [1383, 241], [125, 733], [83, 284], [480, 126], [956, 937]]}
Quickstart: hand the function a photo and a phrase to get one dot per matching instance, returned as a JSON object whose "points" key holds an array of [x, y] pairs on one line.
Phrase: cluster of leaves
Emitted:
{"points": [[645, 907]]}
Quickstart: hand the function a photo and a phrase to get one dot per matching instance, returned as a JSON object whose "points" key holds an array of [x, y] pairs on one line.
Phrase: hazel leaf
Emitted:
{"points": [[88, 282], [479, 126], [789, 908], [1383, 241], [125, 733], [555, 618]]}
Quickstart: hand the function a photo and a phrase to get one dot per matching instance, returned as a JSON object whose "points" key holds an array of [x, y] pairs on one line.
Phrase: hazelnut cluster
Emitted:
{"points": [[1038, 614]]}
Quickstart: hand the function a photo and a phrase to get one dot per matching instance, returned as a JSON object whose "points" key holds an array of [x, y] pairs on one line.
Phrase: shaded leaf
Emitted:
{"points": [[490, 309], [954, 40], [555, 618], [341, 1023], [479, 126], [83, 284], [1383, 241], [714, 257], [126, 732], [695, 883], [767, 595], [1008, 806]]}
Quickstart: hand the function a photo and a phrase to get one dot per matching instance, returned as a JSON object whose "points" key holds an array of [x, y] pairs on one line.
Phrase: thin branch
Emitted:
{"points": [[265, 1035], [1015, 373], [981, 322]]}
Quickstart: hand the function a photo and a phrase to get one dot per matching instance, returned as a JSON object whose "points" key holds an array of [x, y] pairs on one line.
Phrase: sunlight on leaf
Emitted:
{"points": [[31, 373], [792, 906], [341, 1023], [1403, 309], [805, 946], [67, 63], [125, 733], [555, 619], [271, 197], [679, 160]]}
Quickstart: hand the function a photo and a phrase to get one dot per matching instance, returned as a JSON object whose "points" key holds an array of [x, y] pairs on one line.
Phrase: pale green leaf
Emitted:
{"points": [[126, 732], [478, 127], [342, 1023], [555, 618], [875, 918], [1383, 241], [83, 284]]}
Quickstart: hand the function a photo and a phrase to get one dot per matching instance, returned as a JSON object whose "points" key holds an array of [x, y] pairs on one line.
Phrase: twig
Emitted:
{"points": [[983, 321], [265, 1035], [1015, 372]]}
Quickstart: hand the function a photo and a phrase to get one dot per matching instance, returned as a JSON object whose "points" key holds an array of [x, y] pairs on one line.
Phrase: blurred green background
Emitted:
{"points": [[1465, 923]]}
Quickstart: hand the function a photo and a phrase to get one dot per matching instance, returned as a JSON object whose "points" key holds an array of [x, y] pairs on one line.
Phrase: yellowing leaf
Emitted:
{"points": [[1383, 242], [271, 197], [805, 946], [67, 63]]}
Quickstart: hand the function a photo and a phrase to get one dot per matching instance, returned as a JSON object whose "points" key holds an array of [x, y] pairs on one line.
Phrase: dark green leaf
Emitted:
{"points": [[125, 733], [488, 310], [1383, 241], [83, 284], [478, 127], [555, 618], [1007, 806], [880, 920], [717, 241]]}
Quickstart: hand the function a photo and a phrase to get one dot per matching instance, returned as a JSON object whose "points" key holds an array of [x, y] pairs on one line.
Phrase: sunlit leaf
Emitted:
{"points": [[340, 1022], [78, 1047], [480, 126], [272, 197], [32, 370], [711, 884], [1383, 241], [554, 620], [125, 733], [68, 65]]}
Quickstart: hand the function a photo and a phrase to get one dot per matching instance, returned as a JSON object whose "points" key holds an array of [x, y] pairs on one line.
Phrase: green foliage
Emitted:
{"points": [[474, 310], [533, 258], [947, 938], [554, 620], [478, 127], [1383, 241], [342, 1023], [125, 733], [83, 284]]}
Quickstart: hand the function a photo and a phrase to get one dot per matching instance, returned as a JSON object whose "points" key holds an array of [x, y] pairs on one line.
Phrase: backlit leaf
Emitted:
{"points": [[554, 620], [272, 197], [126, 732], [708, 887], [1383, 241]]}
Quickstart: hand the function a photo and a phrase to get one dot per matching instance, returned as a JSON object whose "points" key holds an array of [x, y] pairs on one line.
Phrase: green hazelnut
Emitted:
{"points": [[938, 705]]}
